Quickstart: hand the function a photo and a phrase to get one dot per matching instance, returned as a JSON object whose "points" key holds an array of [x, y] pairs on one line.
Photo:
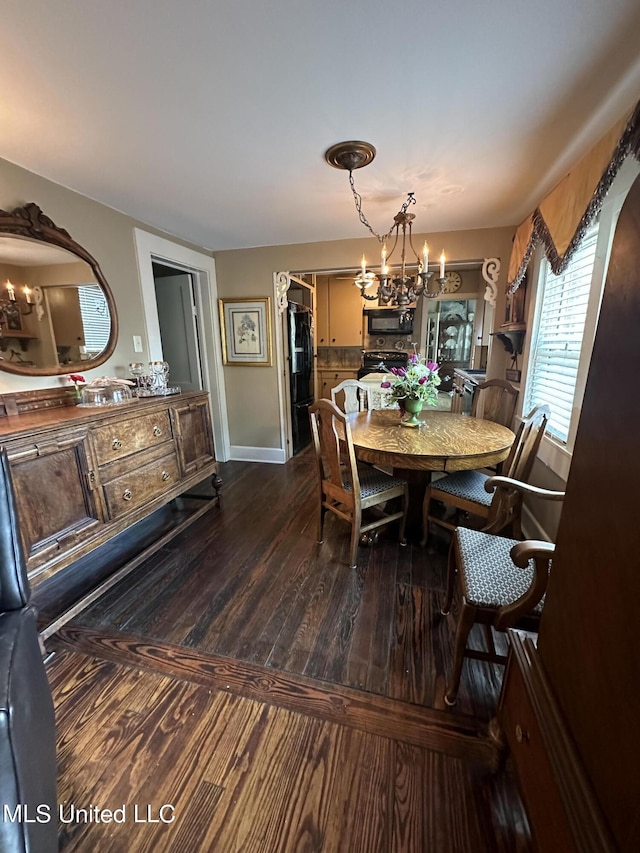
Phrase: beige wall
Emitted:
{"points": [[108, 236], [249, 272]]}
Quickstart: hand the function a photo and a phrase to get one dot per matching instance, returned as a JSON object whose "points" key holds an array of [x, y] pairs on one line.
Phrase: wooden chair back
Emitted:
{"points": [[495, 400], [337, 467], [356, 395], [506, 505]]}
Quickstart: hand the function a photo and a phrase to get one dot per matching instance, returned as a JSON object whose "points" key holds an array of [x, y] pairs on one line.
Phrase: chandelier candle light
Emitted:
{"points": [[11, 307], [401, 290]]}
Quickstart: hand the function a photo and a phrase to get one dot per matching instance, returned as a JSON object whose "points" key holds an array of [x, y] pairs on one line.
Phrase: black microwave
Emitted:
{"points": [[390, 321]]}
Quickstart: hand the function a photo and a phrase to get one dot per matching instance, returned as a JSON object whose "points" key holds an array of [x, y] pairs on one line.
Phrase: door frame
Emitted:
{"points": [[149, 248], [281, 283]]}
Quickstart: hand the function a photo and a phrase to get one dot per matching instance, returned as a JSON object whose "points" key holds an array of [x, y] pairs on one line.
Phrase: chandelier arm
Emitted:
{"points": [[412, 246], [395, 228]]}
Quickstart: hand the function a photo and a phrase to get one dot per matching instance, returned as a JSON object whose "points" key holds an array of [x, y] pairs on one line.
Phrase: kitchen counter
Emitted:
{"points": [[472, 375]]}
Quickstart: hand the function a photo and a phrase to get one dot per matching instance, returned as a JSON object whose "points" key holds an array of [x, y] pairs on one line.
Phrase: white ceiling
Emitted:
{"points": [[210, 119]]}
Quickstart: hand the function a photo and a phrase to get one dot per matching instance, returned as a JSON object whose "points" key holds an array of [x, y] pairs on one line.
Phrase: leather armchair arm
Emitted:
{"points": [[509, 483]]}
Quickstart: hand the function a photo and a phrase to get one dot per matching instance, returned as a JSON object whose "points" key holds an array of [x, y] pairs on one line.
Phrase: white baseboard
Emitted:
{"points": [[257, 454], [531, 527]]}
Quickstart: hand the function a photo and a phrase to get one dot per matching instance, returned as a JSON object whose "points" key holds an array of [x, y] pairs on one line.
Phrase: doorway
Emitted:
{"points": [[199, 269], [178, 319]]}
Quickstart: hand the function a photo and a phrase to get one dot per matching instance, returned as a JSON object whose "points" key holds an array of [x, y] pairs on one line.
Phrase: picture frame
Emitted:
{"points": [[513, 375], [245, 326]]}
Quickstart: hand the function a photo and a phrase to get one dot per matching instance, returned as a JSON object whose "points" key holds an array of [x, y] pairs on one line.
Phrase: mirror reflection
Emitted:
{"points": [[53, 311]]}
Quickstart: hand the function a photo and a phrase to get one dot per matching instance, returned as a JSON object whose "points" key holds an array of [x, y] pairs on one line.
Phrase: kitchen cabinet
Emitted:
{"points": [[338, 312], [449, 335], [83, 475], [464, 387], [328, 379]]}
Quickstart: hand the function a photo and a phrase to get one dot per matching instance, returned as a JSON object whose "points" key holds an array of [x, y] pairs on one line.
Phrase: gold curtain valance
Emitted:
{"points": [[562, 218]]}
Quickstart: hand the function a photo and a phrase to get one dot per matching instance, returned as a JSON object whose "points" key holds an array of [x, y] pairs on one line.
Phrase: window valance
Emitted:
{"points": [[562, 218]]}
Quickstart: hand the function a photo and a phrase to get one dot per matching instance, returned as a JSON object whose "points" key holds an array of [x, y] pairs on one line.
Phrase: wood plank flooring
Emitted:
{"points": [[278, 699], [249, 582], [239, 775]]}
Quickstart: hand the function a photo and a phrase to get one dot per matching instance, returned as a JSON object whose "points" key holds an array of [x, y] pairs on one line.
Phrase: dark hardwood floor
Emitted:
{"points": [[245, 609]]}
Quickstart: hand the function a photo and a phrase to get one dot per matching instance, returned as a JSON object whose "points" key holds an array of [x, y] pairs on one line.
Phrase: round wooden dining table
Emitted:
{"points": [[445, 442]]}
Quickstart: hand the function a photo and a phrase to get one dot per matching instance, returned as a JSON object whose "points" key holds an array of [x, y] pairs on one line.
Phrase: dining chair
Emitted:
{"points": [[465, 490], [356, 395], [501, 583], [345, 488], [495, 400]]}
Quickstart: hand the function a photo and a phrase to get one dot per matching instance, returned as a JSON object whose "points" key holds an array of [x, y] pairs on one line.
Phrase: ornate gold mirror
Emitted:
{"points": [[57, 313]]}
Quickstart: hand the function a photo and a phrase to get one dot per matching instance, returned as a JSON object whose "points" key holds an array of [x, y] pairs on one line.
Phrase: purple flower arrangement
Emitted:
{"points": [[419, 380]]}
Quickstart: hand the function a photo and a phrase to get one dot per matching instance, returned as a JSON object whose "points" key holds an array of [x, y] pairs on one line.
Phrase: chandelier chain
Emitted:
{"points": [[358, 201]]}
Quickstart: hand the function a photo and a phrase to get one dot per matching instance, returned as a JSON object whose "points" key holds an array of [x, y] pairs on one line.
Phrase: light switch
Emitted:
{"points": [[137, 343]]}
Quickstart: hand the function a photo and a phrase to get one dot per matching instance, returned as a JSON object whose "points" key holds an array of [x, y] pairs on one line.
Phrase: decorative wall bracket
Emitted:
{"points": [[282, 283], [490, 273]]}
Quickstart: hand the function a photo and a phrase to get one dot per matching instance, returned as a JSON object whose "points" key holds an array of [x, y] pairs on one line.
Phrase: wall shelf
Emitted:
{"points": [[511, 336], [23, 339]]}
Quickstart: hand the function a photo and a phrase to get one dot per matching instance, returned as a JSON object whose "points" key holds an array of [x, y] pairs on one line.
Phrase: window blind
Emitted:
{"points": [[557, 343], [95, 318]]}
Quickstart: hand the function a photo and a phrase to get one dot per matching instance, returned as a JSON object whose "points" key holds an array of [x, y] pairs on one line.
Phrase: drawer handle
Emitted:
{"points": [[157, 431], [116, 444], [522, 735], [126, 495], [165, 475]]}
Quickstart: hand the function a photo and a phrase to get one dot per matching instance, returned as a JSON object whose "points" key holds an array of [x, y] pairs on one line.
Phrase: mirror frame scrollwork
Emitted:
{"points": [[30, 221]]}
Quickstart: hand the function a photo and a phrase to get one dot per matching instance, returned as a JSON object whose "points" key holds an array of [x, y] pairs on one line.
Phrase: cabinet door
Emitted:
{"points": [[56, 498], [322, 312], [331, 378], [345, 314], [192, 429], [458, 393]]}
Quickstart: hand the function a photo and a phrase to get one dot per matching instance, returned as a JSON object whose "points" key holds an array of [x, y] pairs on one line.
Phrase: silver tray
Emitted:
{"points": [[164, 392]]}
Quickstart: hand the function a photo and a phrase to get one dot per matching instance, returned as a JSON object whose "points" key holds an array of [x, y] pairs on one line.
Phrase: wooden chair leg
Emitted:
{"points": [[321, 514], [451, 580], [425, 516], [403, 520], [488, 636], [355, 539], [465, 623]]}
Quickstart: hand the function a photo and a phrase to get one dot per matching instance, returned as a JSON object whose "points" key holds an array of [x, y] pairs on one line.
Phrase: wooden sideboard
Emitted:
{"points": [[563, 811], [83, 475]]}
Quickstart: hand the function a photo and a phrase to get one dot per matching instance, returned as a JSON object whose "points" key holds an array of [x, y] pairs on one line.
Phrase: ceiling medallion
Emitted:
{"points": [[400, 290]]}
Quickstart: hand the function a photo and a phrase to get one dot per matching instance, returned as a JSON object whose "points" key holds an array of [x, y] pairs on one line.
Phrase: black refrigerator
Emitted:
{"points": [[300, 322]]}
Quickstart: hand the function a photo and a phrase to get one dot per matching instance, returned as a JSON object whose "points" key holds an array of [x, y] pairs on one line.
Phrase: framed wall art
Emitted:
{"points": [[245, 325]]}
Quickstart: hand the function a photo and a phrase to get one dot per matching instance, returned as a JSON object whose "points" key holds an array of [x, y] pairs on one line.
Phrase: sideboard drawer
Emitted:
{"points": [[138, 487], [129, 436]]}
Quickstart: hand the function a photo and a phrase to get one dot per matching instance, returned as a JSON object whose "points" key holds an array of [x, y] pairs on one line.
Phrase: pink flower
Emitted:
{"points": [[75, 377], [385, 385]]}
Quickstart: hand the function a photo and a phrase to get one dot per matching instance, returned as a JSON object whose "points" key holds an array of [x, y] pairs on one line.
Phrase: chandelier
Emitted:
{"points": [[12, 308], [397, 290]]}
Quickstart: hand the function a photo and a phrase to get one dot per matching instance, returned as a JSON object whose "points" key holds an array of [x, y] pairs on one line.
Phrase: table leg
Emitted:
{"points": [[418, 482]]}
